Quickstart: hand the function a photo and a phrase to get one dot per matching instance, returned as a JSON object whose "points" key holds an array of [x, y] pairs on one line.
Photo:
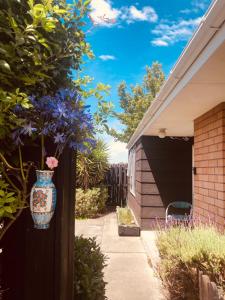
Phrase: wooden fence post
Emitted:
{"points": [[207, 289], [213, 291]]}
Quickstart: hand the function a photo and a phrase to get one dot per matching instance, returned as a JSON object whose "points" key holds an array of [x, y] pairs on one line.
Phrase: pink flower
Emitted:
{"points": [[52, 162]]}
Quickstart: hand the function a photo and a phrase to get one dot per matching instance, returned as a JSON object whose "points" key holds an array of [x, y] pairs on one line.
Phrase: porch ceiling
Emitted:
{"points": [[204, 90]]}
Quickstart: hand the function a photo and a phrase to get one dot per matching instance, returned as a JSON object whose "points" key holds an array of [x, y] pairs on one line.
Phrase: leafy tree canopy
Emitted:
{"points": [[135, 103], [42, 45]]}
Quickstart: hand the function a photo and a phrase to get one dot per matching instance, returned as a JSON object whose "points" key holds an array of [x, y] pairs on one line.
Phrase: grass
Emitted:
{"points": [[183, 250], [125, 216]]}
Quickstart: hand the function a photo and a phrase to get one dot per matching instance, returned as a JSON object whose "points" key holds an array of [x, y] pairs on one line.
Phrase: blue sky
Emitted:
{"points": [[128, 35]]}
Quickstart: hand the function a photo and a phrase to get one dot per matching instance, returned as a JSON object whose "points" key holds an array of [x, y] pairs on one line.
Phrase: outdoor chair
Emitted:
{"points": [[178, 212]]}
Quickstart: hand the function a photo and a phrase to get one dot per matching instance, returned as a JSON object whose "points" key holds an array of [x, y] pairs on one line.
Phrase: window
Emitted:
{"points": [[131, 171]]}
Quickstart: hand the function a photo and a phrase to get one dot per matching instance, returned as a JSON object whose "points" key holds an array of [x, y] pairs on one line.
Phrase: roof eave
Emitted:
{"points": [[210, 24]]}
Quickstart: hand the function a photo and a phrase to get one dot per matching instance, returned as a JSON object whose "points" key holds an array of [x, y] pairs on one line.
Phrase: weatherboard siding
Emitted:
{"points": [[163, 175]]}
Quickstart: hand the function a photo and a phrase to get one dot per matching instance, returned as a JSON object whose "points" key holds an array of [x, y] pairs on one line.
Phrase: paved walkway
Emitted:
{"points": [[128, 273]]}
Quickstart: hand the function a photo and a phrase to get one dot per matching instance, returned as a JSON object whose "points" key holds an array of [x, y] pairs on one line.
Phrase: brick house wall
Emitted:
{"points": [[163, 175], [209, 160]]}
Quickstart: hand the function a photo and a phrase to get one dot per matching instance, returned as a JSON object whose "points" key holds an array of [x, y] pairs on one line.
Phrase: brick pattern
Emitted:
{"points": [[209, 160]]}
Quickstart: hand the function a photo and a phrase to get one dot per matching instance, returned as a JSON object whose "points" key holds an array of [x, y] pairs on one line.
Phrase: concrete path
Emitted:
{"points": [[128, 273]]}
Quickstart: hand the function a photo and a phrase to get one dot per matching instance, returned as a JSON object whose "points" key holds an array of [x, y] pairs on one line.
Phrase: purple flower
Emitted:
{"points": [[28, 129], [16, 137], [59, 138], [73, 145], [62, 117]]}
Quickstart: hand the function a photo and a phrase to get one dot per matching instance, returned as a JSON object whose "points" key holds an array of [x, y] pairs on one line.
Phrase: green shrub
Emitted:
{"points": [[125, 216], [89, 263], [183, 250], [90, 202]]}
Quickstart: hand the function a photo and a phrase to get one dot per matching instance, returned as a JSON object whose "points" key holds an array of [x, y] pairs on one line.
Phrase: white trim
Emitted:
{"points": [[208, 37], [132, 170]]}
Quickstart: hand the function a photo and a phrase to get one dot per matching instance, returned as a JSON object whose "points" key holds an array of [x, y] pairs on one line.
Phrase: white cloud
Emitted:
{"points": [[187, 11], [168, 32], [159, 42], [200, 4], [147, 13], [132, 14], [102, 12], [107, 57], [117, 150], [196, 7]]}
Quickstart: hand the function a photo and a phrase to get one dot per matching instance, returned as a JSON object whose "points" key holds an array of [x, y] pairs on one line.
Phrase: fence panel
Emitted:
{"points": [[207, 289], [116, 180]]}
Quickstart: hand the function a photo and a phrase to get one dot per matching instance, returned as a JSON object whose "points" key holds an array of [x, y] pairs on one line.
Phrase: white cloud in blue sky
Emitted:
{"points": [[170, 32], [132, 14], [104, 14], [196, 6], [118, 152], [107, 57]]}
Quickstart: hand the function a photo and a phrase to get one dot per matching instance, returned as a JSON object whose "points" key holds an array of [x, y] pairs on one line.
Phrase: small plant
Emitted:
{"points": [[183, 251], [91, 202], [88, 263], [125, 216]]}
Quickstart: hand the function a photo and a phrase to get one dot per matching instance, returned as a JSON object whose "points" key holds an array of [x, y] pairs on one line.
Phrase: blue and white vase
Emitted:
{"points": [[43, 199]]}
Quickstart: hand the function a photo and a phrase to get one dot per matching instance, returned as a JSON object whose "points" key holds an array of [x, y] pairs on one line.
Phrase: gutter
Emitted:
{"points": [[209, 25]]}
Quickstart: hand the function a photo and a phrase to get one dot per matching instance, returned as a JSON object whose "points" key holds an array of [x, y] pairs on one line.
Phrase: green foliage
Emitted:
{"points": [[182, 251], [37, 49], [91, 168], [90, 202], [8, 201], [41, 43], [99, 92], [125, 216], [89, 263], [8, 120], [136, 103]]}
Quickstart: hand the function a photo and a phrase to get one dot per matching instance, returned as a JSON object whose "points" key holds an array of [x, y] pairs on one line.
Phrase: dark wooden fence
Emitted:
{"points": [[116, 180], [38, 264], [207, 289]]}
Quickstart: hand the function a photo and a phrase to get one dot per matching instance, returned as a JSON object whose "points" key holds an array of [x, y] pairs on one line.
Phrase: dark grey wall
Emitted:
{"points": [[163, 175]]}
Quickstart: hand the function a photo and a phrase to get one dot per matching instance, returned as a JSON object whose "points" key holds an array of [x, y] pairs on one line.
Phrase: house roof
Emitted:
{"points": [[195, 84]]}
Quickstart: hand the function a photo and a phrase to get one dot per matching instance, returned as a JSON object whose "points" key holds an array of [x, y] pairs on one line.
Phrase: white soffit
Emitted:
{"points": [[204, 91]]}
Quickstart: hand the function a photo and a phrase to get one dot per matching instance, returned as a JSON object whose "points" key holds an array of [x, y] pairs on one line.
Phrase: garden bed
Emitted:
{"points": [[185, 250], [126, 222]]}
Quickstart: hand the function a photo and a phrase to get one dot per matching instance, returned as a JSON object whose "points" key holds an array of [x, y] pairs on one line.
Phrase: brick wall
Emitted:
{"points": [[209, 160]]}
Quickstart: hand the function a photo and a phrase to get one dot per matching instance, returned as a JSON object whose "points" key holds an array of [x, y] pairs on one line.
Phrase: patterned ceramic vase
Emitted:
{"points": [[43, 199]]}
